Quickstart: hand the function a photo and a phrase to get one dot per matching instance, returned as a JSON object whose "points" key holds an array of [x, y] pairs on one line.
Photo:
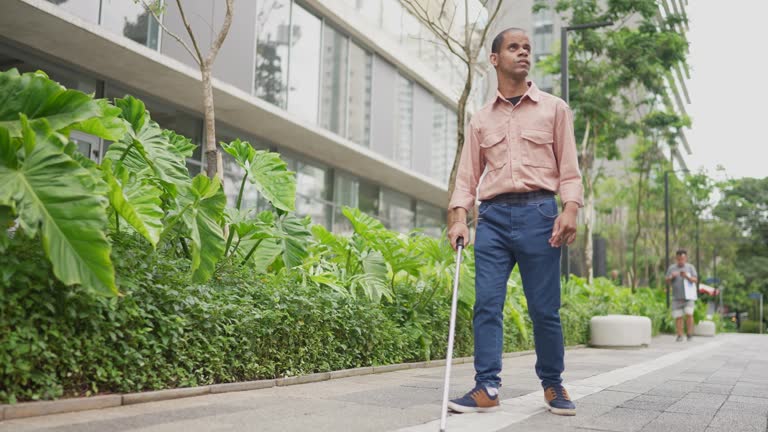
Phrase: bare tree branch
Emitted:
{"points": [[423, 16], [149, 9], [442, 10], [481, 42], [219, 41], [200, 60], [467, 38]]}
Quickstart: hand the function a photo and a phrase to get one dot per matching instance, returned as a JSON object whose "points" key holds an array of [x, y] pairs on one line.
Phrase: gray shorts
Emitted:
{"points": [[682, 307]]}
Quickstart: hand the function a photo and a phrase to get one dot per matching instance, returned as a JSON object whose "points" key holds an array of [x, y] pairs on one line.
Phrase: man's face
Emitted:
{"points": [[682, 259], [514, 57]]}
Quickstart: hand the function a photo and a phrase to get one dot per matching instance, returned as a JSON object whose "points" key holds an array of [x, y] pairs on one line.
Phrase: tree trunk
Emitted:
{"points": [[587, 162], [638, 229], [211, 153]]}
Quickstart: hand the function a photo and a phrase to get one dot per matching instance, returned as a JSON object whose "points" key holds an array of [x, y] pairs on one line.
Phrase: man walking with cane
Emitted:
{"points": [[682, 277], [523, 141]]}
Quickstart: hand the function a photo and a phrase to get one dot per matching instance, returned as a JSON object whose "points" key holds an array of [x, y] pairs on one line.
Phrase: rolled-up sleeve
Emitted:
{"points": [[471, 167], [571, 188]]}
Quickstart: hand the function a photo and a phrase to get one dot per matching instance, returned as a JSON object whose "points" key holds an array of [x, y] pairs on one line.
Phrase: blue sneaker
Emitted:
{"points": [[479, 399], [558, 401]]}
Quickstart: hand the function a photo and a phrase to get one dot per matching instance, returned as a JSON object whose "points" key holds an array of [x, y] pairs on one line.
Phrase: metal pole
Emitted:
{"points": [[761, 313], [451, 333], [564, 256], [698, 267], [666, 225]]}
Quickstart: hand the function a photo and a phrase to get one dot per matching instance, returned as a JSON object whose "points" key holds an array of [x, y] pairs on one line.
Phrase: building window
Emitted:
{"points": [[444, 133], [392, 18], [313, 191], [304, 70], [359, 103], [334, 88], [272, 39], [430, 219], [396, 211], [131, 20], [404, 121], [346, 192], [370, 9], [85, 9]]}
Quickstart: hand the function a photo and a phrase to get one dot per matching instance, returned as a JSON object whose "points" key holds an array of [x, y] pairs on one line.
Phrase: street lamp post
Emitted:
{"points": [[564, 89], [666, 225]]}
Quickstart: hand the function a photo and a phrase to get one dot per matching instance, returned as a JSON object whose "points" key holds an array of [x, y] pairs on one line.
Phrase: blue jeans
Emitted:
{"points": [[509, 234]]}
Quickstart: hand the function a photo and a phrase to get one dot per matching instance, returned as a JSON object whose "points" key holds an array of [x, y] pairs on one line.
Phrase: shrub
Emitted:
{"points": [[750, 326]]}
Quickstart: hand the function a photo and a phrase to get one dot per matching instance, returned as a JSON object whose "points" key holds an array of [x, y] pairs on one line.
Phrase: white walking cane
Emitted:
{"points": [[451, 331]]}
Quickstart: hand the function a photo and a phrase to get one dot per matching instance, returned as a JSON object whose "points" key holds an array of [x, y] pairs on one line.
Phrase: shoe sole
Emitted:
{"points": [[560, 411], [461, 409]]}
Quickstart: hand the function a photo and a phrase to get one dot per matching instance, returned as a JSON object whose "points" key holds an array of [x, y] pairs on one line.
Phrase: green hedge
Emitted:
{"points": [[750, 326], [168, 332]]}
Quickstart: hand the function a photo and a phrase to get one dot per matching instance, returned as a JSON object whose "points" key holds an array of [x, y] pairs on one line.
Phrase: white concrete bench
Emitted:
{"points": [[620, 331], [704, 328]]}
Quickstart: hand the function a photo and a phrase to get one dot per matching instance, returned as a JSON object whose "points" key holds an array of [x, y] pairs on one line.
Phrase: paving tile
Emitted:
{"points": [[608, 397], [673, 388], [622, 420], [696, 405], [585, 412], [678, 422], [750, 389], [745, 405], [739, 421], [650, 402], [713, 388]]}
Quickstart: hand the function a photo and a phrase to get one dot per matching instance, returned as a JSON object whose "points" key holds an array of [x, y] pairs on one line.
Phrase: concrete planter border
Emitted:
{"points": [[41, 408]]}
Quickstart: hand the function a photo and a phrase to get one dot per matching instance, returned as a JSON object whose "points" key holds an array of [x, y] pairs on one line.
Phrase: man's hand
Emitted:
{"points": [[458, 229], [564, 230], [457, 226]]}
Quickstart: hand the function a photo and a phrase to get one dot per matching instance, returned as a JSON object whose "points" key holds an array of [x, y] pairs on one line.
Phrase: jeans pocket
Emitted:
{"points": [[548, 209], [484, 207]]}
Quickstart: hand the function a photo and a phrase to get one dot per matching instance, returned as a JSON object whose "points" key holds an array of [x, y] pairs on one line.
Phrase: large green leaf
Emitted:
{"points": [[203, 211], [107, 125], [362, 223], [294, 237], [267, 251], [48, 190], [41, 99], [146, 150], [180, 144], [290, 233], [267, 172], [373, 280], [337, 246], [136, 201], [401, 253]]}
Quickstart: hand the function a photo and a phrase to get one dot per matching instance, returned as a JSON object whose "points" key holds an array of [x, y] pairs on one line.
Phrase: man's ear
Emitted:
{"points": [[494, 59]]}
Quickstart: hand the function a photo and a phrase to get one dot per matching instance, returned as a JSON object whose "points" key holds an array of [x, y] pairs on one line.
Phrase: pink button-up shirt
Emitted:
{"points": [[520, 148]]}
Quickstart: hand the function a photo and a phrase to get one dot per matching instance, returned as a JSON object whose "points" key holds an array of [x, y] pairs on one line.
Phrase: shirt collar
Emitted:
{"points": [[533, 93]]}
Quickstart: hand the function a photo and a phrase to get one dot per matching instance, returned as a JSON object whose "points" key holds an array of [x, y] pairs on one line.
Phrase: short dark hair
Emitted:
{"points": [[496, 45], [681, 252]]}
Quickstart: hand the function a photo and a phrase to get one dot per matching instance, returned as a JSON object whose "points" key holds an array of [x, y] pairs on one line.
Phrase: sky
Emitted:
{"points": [[728, 86]]}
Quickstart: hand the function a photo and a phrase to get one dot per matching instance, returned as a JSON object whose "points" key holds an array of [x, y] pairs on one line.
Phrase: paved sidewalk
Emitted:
{"points": [[710, 384]]}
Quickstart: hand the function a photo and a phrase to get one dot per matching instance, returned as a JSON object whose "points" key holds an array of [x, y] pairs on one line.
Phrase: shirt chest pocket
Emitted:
{"points": [[494, 148], [537, 148]]}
